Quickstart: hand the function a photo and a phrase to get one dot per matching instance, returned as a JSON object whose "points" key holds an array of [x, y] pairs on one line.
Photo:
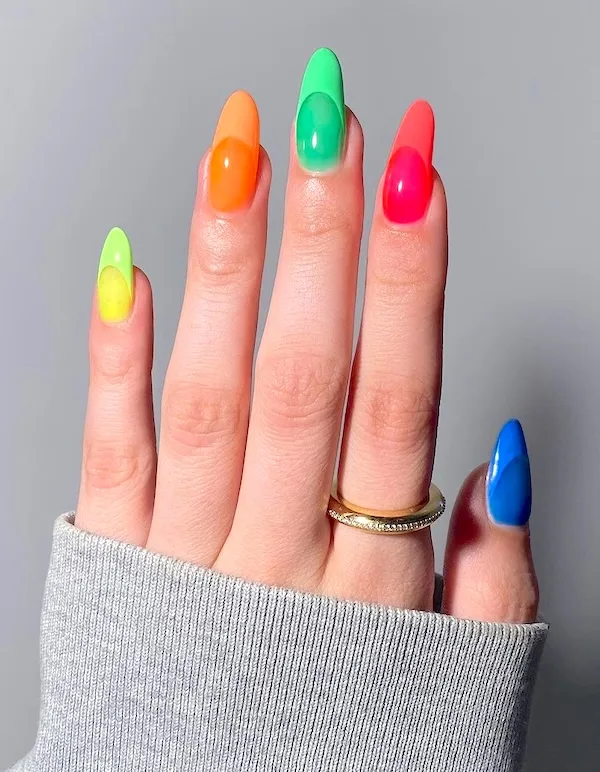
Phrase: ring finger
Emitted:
{"points": [[391, 420]]}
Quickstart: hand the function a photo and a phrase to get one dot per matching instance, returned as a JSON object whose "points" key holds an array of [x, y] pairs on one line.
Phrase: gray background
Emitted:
{"points": [[106, 109]]}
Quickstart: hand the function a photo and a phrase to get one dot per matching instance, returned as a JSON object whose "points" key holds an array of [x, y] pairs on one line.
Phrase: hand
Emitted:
{"points": [[241, 481]]}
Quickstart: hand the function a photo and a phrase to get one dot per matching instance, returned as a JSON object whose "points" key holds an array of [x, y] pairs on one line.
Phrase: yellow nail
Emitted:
{"points": [[115, 278]]}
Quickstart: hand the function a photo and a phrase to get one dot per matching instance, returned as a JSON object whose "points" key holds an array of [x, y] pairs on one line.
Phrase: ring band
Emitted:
{"points": [[388, 521]]}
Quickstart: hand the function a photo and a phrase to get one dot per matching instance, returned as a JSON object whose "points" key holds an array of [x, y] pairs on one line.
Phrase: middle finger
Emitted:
{"points": [[304, 359]]}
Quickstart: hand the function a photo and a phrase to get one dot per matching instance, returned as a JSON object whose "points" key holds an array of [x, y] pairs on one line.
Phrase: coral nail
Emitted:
{"points": [[409, 175], [508, 483], [321, 113], [233, 165], [115, 278]]}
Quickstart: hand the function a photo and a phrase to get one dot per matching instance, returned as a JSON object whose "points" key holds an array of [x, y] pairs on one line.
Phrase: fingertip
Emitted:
{"points": [[468, 522], [265, 172], [355, 138], [351, 156], [233, 160], [259, 199], [489, 573], [508, 485], [347, 173], [142, 285], [124, 350], [114, 282], [437, 214], [320, 125], [140, 312], [407, 186]]}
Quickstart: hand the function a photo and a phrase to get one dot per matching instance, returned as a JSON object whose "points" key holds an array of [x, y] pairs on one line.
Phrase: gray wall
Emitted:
{"points": [[106, 109]]}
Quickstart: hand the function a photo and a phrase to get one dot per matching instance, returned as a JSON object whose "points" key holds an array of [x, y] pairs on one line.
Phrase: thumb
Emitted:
{"points": [[488, 568]]}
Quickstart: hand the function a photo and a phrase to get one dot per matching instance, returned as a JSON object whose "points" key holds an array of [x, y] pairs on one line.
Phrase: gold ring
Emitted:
{"points": [[388, 521]]}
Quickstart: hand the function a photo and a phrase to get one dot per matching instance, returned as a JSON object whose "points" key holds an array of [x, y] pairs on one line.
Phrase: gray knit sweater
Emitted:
{"points": [[152, 664]]}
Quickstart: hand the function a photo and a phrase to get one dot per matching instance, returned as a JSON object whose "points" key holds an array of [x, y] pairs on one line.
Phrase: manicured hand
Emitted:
{"points": [[240, 479]]}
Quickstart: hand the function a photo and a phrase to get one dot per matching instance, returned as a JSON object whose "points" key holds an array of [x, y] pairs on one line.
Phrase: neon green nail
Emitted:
{"points": [[321, 113], [115, 278]]}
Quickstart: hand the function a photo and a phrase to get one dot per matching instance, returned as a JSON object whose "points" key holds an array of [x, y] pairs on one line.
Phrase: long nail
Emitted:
{"points": [[321, 113], [115, 278], [233, 165], [508, 481], [409, 174]]}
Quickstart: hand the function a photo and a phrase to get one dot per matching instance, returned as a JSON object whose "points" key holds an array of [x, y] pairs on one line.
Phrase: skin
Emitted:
{"points": [[240, 480]]}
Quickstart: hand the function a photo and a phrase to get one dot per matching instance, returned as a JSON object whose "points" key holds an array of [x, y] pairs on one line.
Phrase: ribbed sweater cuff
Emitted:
{"points": [[149, 663]]}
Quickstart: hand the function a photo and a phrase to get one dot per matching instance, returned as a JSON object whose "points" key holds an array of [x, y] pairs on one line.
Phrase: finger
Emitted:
{"points": [[391, 419], [303, 363], [489, 573], [389, 435], [207, 387], [119, 451]]}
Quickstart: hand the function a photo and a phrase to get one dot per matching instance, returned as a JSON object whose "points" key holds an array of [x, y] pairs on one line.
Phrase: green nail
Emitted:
{"points": [[321, 114], [115, 278], [116, 253]]}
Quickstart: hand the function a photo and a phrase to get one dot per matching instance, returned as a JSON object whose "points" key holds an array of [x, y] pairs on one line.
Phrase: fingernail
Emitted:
{"points": [[233, 165], [321, 113], [409, 176], [509, 478], [115, 278]]}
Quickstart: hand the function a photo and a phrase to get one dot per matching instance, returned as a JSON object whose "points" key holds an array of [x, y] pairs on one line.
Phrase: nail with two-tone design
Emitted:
{"points": [[115, 278], [321, 113], [233, 165], [409, 174], [508, 483]]}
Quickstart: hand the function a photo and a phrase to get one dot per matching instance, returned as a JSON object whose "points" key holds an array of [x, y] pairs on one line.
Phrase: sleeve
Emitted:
{"points": [[150, 663]]}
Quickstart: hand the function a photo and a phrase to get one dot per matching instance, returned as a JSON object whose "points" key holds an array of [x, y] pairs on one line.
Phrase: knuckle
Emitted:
{"points": [[197, 417], [509, 598], [314, 235], [401, 416], [216, 255], [300, 390], [416, 273], [114, 364], [110, 464], [325, 221]]}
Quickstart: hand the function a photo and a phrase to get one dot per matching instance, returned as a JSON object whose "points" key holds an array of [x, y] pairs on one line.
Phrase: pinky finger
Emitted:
{"points": [[488, 572], [119, 448]]}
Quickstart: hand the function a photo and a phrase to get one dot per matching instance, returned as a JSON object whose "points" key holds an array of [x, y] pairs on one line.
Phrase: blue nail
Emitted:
{"points": [[509, 477]]}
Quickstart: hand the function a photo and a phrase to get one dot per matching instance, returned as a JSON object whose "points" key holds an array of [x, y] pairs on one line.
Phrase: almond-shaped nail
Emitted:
{"points": [[409, 174], [115, 278], [508, 484], [321, 113], [233, 165]]}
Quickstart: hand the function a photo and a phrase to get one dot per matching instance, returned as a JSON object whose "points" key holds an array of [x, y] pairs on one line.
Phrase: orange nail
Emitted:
{"points": [[234, 158]]}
